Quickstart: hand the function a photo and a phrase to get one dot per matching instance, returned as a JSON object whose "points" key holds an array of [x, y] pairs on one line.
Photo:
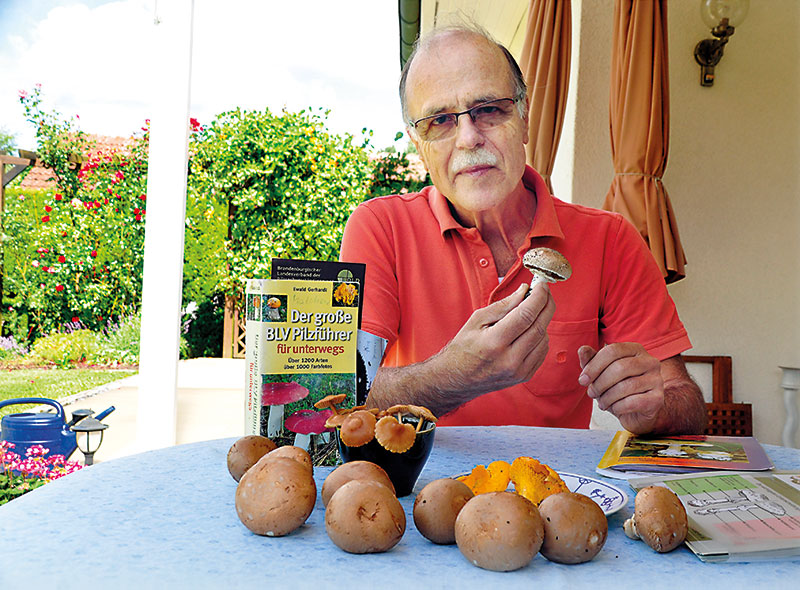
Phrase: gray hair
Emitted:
{"points": [[427, 40]]}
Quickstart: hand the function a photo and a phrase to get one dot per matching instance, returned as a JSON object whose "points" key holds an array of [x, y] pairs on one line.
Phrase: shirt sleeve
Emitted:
{"points": [[369, 240], [637, 306]]}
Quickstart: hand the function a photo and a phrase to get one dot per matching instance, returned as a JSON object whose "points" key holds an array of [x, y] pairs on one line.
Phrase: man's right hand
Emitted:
{"points": [[500, 345]]}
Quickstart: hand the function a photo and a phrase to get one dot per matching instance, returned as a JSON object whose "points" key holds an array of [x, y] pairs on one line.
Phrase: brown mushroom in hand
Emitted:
{"points": [[546, 265], [659, 519]]}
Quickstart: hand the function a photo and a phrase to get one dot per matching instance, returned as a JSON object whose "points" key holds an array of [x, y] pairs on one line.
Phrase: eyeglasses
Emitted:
{"points": [[485, 116]]}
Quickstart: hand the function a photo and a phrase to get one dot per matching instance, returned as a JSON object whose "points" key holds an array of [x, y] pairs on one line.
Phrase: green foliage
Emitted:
{"points": [[119, 345], [286, 184], [75, 254], [8, 142], [393, 174], [64, 348], [202, 328]]}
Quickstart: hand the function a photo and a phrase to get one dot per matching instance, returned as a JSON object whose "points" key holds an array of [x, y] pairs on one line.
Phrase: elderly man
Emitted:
{"points": [[446, 288]]}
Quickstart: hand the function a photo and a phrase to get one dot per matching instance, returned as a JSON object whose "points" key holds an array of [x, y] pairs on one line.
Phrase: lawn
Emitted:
{"points": [[52, 383]]}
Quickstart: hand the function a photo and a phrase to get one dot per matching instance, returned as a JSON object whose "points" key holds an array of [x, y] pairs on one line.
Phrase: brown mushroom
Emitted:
{"points": [[296, 453], [330, 401], [575, 527], [436, 507], [499, 531], [546, 265], [659, 519], [350, 471], [393, 435], [358, 428], [245, 452], [364, 516]]}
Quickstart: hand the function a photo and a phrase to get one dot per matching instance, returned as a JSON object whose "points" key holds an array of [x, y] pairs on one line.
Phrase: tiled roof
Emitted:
{"points": [[39, 177]]}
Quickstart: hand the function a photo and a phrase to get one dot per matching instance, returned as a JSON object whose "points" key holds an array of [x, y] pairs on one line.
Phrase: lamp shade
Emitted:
{"points": [[714, 11]]}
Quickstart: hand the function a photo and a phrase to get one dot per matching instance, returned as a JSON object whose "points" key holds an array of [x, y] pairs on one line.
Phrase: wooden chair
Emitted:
{"points": [[724, 416]]}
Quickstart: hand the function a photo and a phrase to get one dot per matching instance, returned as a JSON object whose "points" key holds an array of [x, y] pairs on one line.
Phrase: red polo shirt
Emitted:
{"points": [[426, 274]]}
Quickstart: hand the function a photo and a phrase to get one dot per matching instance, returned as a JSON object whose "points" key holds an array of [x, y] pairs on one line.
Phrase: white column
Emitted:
{"points": [[156, 422], [790, 384]]}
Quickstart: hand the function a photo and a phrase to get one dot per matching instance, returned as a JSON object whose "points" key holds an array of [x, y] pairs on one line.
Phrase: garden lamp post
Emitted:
{"points": [[89, 433]]}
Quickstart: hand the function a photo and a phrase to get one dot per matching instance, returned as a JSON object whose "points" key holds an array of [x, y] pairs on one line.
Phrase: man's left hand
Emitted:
{"points": [[626, 381]]}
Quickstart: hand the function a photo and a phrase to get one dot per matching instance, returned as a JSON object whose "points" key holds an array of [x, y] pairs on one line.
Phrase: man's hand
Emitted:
{"points": [[647, 395], [500, 345]]}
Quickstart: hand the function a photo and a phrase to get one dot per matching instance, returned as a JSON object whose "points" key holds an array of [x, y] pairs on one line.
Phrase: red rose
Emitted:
{"points": [[45, 219], [62, 258], [59, 288], [93, 253], [59, 196], [48, 208], [75, 319]]}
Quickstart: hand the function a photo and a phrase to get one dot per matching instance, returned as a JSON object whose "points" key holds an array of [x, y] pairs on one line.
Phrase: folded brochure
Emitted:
{"points": [[737, 516], [684, 454]]}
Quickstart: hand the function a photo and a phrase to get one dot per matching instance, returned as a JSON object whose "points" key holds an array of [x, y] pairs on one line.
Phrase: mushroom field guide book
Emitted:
{"points": [[300, 347], [737, 516], [682, 454]]}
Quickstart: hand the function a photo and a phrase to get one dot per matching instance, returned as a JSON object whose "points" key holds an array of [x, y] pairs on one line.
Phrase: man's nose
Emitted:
{"points": [[468, 135]]}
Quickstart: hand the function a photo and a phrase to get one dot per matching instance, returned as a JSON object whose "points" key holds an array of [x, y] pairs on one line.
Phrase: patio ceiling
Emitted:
{"points": [[505, 20]]}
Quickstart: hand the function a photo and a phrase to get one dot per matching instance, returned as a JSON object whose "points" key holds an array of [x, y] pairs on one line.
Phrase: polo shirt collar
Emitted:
{"points": [[545, 221]]}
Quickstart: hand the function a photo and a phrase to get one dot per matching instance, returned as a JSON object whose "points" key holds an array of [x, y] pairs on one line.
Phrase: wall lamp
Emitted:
{"points": [[721, 16]]}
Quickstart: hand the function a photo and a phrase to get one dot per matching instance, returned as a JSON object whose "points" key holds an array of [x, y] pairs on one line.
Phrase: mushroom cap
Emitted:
{"points": [[350, 471], [418, 411], [575, 527], [279, 394], [394, 436], [364, 516], [436, 507], [660, 518], [499, 531], [548, 263], [273, 302], [358, 428], [293, 452], [246, 452], [308, 421], [275, 496], [330, 401]]}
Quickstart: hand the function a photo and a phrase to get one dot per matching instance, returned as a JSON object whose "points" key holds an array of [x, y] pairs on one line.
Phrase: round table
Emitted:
{"points": [[166, 519]]}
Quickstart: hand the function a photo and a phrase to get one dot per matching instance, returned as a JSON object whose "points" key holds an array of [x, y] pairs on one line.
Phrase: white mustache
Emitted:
{"points": [[476, 157]]}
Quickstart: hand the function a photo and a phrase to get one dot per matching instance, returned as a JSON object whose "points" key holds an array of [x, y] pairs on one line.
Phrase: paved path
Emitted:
{"points": [[210, 406]]}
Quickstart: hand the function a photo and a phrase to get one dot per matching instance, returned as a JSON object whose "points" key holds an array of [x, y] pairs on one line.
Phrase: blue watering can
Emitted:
{"points": [[49, 430]]}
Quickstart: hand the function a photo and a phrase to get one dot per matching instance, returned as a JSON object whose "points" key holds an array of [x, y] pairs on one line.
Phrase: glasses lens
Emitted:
{"points": [[436, 127], [492, 113]]}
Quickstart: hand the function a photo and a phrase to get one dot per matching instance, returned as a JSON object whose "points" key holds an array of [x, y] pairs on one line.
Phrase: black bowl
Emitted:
{"points": [[402, 468]]}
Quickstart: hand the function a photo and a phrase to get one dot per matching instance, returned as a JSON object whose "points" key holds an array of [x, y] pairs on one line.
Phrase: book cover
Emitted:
{"points": [[301, 338], [684, 454], [370, 348], [737, 516]]}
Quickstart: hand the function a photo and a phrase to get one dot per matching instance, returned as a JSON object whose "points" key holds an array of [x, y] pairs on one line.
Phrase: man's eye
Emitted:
{"points": [[440, 120], [485, 110]]}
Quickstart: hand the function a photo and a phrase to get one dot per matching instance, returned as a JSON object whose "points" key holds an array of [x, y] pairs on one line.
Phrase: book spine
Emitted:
{"points": [[252, 409]]}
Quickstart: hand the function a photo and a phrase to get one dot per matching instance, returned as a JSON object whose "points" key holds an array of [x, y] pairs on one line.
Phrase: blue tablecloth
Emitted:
{"points": [[166, 519]]}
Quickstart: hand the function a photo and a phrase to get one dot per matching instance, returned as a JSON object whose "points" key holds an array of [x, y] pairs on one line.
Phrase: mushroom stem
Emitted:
{"points": [[275, 421], [630, 528], [302, 441]]}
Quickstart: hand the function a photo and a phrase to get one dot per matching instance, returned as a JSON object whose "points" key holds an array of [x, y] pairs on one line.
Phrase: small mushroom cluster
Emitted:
{"points": [[395, 428]]}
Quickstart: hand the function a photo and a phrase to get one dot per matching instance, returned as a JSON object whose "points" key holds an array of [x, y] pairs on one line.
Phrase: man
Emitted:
{"points": [[446, 288]]}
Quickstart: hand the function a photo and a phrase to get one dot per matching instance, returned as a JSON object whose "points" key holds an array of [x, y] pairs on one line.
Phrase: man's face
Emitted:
{"points": [[476, 170]]}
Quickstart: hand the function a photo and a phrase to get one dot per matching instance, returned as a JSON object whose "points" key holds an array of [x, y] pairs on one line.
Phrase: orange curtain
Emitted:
{"points": [[545, 64], [639, 119]]}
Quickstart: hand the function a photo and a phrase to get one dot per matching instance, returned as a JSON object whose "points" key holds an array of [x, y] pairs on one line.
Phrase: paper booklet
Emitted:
{"points": [[300, 342], [737, 516], [682, 454]]}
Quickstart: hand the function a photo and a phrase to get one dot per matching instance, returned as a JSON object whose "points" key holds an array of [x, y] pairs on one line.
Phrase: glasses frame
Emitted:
{"points": [[469, 111]]}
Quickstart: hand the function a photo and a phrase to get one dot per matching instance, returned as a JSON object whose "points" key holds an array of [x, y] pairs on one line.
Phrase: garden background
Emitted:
{"points": [[260, 184]]}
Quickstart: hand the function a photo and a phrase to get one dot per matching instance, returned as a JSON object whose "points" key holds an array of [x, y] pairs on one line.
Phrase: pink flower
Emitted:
{"points": [[119, 175], [41, 250], [35, 263]]}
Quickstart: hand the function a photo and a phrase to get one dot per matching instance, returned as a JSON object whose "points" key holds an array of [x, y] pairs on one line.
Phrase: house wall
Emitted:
{"points": [[733, 179]]}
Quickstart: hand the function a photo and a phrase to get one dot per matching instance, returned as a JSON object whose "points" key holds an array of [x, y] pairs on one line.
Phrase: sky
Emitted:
{"points": [[93, 58]]}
